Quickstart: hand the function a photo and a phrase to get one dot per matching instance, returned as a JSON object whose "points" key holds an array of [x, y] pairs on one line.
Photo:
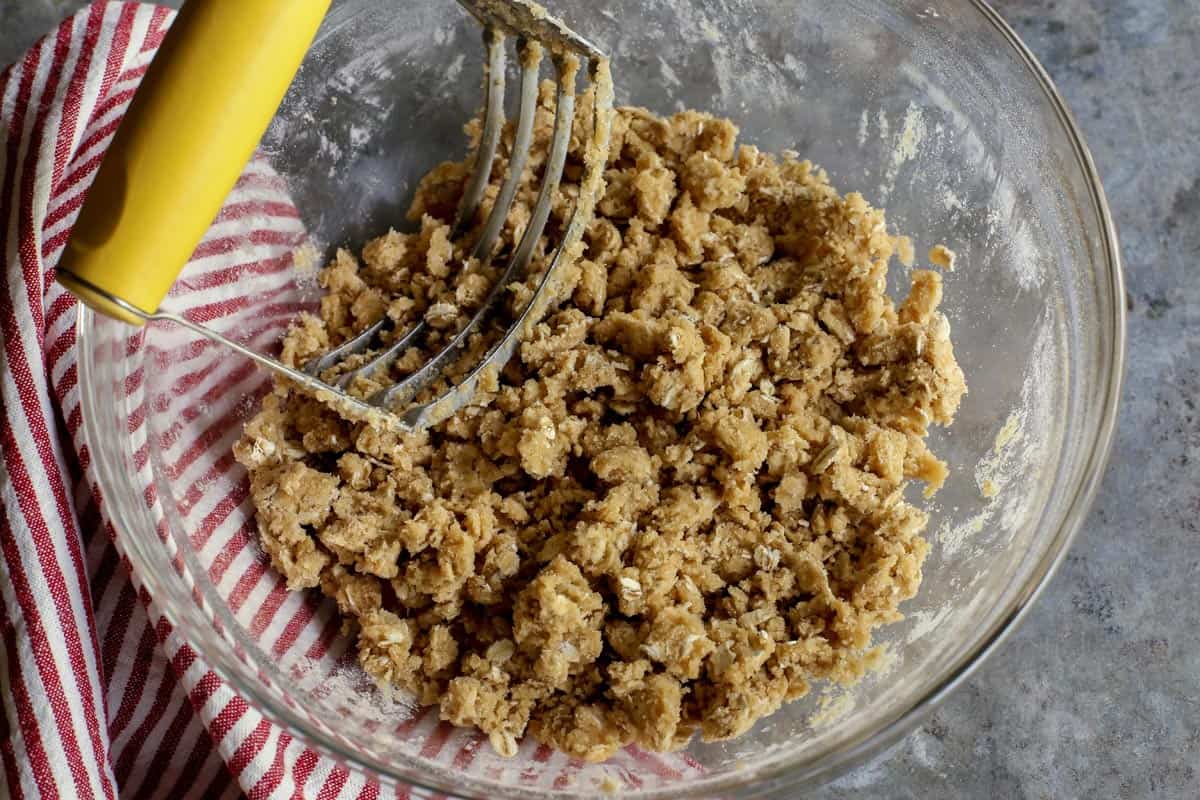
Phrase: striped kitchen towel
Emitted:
{"points": [[100, 698]]}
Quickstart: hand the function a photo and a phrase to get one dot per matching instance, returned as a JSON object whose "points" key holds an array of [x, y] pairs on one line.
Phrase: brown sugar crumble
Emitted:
{"points": [[679, 505]]}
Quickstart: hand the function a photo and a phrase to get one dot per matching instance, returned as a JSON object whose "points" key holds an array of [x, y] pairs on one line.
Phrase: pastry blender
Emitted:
{"points": [[203, 106]]}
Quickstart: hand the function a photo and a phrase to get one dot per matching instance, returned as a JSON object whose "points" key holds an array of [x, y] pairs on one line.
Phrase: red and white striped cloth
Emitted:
{"points": [[100, 698]]}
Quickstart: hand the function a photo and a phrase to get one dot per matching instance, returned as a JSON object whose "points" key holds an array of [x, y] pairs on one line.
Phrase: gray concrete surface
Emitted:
{"points": [[1098, 694]]}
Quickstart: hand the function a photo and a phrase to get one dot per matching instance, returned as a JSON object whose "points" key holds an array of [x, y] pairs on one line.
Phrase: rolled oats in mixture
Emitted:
{"points": [[680, 504]]}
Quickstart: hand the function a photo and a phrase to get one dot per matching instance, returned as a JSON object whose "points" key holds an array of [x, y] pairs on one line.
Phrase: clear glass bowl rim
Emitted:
{"points": [[855, 750]]}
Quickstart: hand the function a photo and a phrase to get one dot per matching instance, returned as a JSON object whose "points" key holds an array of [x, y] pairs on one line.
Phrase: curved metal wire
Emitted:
{"points": [[564, 116]]}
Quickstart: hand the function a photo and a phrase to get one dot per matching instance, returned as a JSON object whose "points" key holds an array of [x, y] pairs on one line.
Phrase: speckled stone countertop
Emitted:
{"points": [[1097, 695]]}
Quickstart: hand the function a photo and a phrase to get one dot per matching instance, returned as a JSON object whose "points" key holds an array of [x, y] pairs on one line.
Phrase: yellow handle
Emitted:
{"points": [[202, 108]]}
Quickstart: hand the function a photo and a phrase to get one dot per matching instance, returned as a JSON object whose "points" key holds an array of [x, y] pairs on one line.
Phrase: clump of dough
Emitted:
{"points": [[680, 505]]}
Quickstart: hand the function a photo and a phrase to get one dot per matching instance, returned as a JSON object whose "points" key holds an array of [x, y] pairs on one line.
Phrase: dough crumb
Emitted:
{"points": [[680, 505], [942, 257]]}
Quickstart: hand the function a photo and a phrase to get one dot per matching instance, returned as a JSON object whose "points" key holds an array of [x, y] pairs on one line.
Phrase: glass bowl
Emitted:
{"points": [[932, 109]]}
